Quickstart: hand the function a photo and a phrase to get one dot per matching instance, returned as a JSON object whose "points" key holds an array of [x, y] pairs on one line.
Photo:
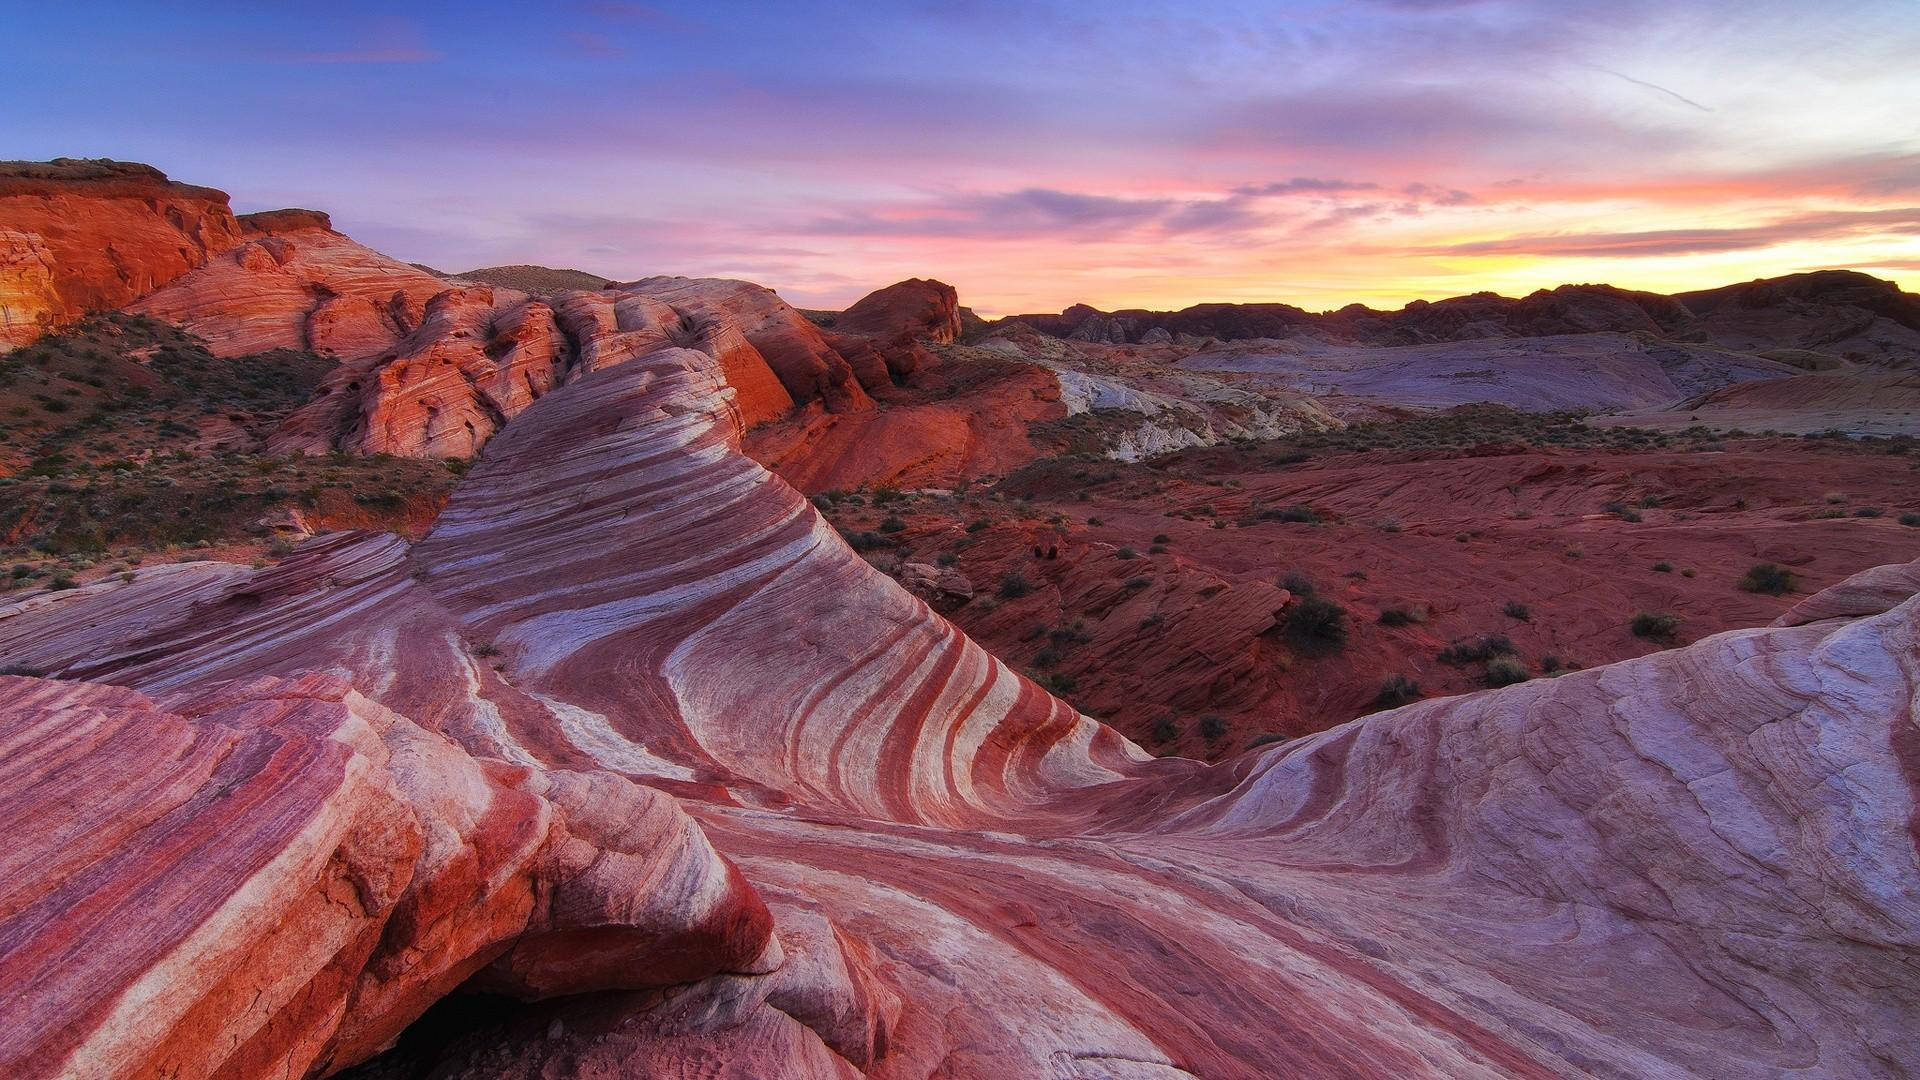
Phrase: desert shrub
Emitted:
{"points": [[1866, 511], [1165, 729], [1057, 683], [893, 525], [1150, 621], [1402, 616], [1095, 521], [1126, 553], [1317, 622], [1212, 726], [1910, 520], [1013, 586], [1769, 578], [63, 581], [1162, 538], [1046, 657], [1138, 583], [1655, 625], [1297, 583], [867, 541], [1517, 610], [1396, 691], [945, 558], [1834, 498], [1301, 514], [1476, 650], [1268, 738], [1687, 572], [1505, 671], [1663, 568], [976, 525]]}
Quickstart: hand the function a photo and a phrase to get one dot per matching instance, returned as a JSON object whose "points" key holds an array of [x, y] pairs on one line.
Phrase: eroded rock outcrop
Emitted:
{"points": [[1697, 862], [294, 283], [84, 236], [275, 876]]}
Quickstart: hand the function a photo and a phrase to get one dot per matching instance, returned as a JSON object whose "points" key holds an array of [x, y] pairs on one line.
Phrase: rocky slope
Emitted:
{"points": [[1856, 403], [84, 236], [965, 878], [1592, 372]]}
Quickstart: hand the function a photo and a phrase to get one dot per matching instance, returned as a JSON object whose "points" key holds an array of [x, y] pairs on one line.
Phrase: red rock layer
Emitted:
{"points": [[81, 236], [296, 284], [274, 877], [1698, 862], [807, 365]]}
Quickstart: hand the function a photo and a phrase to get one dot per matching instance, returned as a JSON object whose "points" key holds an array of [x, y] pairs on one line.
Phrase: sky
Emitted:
{"points": [[1033, 154]]}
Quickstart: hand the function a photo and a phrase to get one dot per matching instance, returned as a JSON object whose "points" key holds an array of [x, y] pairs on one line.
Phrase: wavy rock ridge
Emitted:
{"points": [[1699, 862]]}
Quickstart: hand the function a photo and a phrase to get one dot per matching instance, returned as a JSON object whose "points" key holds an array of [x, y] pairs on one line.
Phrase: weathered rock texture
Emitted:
{"points": [[296, 284], [82, 236], [275, 876], [1700, 862]]}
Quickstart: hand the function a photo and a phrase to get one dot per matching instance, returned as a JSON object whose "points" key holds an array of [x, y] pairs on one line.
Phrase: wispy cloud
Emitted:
{"points": [[1654, 242]]}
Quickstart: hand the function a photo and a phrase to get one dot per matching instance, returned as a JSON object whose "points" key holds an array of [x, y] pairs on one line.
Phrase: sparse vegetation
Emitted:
{"points": [[1013, 586], [1300, 514], [1769, 578], [1655, 625], [1475, 650], [1396, 691], [1505, 671], [1315, 622], [1514, 609]]}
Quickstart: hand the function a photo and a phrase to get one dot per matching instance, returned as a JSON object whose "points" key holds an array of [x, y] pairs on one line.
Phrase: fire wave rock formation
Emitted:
{"points": [[1699, 862]]}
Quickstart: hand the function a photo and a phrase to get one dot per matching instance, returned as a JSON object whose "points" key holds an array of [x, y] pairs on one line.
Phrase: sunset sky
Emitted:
{"points": [[1032, 154]]}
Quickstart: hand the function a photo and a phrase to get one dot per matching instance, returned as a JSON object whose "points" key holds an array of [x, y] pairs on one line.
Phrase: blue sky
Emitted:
{"points": [[1033, 154]]}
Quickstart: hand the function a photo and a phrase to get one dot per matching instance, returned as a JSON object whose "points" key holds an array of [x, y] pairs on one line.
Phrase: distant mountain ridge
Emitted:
{"points": [[1843, 314]]}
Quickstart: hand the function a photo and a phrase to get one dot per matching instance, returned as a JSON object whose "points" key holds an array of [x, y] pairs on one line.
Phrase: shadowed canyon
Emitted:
{"points": [[520, 673]]}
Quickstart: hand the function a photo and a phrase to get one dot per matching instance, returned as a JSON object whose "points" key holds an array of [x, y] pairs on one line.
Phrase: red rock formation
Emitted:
{"points": [[82, 236], [806, 363], [296, 284], [920, 308], [893, 323], [1697, 862], [274, 877], [479, 356], [956, 421]]}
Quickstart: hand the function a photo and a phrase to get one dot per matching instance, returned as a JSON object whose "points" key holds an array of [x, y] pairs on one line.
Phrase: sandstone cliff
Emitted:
{"points": [[84, 236]]}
